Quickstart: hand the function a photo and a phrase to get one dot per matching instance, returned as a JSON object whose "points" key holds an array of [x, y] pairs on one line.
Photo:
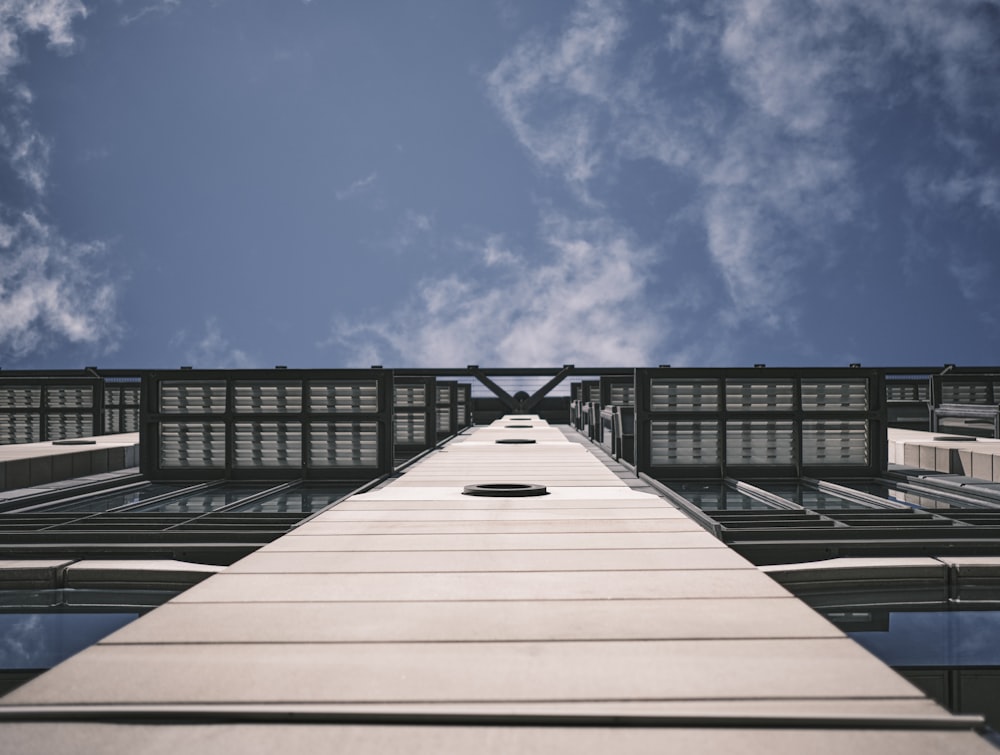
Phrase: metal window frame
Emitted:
{"points": [[151, 417], [428, 412], [44, 411], [452, 406], [721, 417]]}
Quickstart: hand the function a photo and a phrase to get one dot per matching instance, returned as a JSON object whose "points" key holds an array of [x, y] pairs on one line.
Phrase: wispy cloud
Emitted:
{"points": [[210, 349], [756, 103], [51, 289], [157, 7], [357, 187], [582, 303], [410, 229], [576, 66], [53, 18]]}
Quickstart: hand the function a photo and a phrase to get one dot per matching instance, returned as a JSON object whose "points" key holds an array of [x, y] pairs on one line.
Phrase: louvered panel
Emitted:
{"points": [[443, 419], [343, 396], [409, 396], [834, 395], [760, 442], [20, 397], [751, 395], [202, 397], [623, 395], [343, 444], [443, 394], [906, 391], [267, 444], [830, 442], [462, 414], [20, 428], [410, 428], [63, 425], [683, 395], [593, 391], [69, 396], [192, 444], [267, 397], [683, 443], [964, 393]]}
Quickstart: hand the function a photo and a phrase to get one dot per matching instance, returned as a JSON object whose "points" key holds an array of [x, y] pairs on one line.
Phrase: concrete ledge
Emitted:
{"points": [[34, 464], [137, 574]]}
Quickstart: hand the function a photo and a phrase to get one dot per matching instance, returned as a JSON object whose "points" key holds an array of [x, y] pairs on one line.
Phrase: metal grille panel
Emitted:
{"points": [[252, 397], [965, 393], [20, 428], [343, 444], [443, 414], [409, 396], [198, 445], [343, 397], [20, 397], [204, 397], [69, 396], [760, 442], [746, 395], [826, 395], [267, 444], [683, 395], [835, 442], [623, 395], [62, 425], [410, 428], [684, 443]]}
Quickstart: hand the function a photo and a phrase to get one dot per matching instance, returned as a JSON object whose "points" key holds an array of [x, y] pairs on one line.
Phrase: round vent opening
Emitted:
{"points": [[518, 427], [74, 442], [513, 441], [955, 438], [505, 489]]}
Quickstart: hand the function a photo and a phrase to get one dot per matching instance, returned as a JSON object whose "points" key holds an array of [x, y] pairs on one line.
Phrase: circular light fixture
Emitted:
{"points": [[505, 489]]}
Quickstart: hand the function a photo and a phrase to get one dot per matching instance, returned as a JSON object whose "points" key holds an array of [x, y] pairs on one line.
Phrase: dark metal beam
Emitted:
{"points": [[542, 392], [505, 398]]}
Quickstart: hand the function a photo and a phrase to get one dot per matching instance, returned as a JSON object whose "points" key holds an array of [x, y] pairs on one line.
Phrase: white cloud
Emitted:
{"points": [[53, 18], [561, 134], [582, 303], [26, 149], [755, 102], [51, 289], [357, 187], [210, 349]]}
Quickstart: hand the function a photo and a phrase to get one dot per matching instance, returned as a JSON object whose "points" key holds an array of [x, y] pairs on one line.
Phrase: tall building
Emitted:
{"points": [[656, 560]]}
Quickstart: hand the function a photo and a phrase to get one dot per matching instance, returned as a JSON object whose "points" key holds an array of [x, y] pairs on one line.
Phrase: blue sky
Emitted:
{"points": [[244, 183]]}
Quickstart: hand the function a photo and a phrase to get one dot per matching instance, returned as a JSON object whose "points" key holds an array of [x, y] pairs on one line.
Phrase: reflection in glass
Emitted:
{"points": [[937, 638], [114, 500], [920, 500], [717, 497], [298, 501], [202, 501], [811, 498], [41, 640]]}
